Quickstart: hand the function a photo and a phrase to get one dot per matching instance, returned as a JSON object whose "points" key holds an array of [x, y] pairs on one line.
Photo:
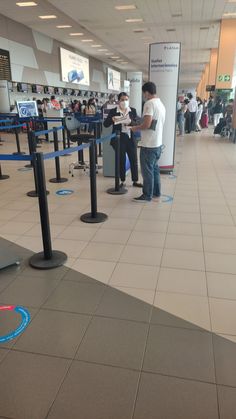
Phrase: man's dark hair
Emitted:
{"points": [[150, 88], [122, 94], [52, 97], [190, 96]]}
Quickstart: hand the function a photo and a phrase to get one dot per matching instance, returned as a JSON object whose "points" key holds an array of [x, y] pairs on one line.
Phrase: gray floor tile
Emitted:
{"points": [[57, 273], [162, 317], [29, 384], [76, 276], [225, 355], [227, 402], [162, 397], [3, 353], [180, 353], [96, 392], [120, 305], [30, 291], [114, 342], [5, 281], [54, 333], [10, 320], [76, 297]]}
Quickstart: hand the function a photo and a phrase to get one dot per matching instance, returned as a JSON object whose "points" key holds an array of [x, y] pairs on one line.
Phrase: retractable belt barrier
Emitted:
{"points": [[48, 258]]}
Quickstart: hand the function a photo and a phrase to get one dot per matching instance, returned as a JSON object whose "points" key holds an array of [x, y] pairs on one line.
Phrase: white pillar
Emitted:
{"points": [[4, 97], [136, 80]]}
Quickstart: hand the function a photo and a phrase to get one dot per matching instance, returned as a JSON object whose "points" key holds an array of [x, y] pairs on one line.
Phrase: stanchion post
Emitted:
{"points": [[18, 152], [3, 177], [94, 216], [58, 178], [48, 259], [32, 146], [30, 165], [64, 133], [118, 190]]}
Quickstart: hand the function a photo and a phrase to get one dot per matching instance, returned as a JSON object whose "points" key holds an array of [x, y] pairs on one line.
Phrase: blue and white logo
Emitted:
{"points": [[166, 198], [64, 192], [25, 319]]}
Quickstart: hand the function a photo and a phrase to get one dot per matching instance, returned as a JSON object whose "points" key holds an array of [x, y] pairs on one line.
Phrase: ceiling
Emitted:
{"points": [[194, 23]]}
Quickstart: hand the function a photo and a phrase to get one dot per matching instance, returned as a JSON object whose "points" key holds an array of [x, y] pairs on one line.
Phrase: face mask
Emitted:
{"points": [[124, 104]]}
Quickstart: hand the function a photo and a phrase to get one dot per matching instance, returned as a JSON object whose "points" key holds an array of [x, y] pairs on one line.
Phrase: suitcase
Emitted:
{"points": [[204, 120]]}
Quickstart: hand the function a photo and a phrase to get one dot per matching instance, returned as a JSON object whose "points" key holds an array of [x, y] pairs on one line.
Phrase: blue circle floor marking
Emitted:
{"points": [[166, 198], [64, 192], [25, 319]]}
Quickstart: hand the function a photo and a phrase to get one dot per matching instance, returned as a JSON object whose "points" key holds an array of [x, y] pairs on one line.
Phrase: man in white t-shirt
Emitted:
{"points": [[151, 143]]}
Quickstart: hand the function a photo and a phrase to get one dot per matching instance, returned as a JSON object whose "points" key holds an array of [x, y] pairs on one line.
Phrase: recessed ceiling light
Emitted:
{"points": [[133, 20], [96, 46], [48, 17], [119, 61], [147, 37], [26, 3], [229, 14], [115, 57], [126, 7], [76, 34], [103, 50], [63, 26], [87, 40], [124, 62], [108, 53]]}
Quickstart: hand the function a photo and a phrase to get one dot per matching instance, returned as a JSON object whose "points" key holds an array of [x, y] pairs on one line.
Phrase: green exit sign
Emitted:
{"points": [[224, 77]]}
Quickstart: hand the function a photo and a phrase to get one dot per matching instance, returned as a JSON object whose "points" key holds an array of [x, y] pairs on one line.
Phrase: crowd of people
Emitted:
{"points": [[193, 114]]}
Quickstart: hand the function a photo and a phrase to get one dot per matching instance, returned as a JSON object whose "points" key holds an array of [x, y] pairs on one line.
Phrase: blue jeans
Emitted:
{"points": [[150, 171]]}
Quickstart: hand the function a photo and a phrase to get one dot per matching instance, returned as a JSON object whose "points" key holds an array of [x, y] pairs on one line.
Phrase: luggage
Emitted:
{"points": [[204, 120], [220, 126]]}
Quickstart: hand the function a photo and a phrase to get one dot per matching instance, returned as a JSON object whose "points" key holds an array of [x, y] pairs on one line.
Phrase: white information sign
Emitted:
{"points": [[164, 63]]}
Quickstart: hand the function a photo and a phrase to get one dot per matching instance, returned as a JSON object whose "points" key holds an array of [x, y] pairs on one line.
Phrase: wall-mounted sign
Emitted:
{"points": [[5, 65], [210, 88], [224, 77]]}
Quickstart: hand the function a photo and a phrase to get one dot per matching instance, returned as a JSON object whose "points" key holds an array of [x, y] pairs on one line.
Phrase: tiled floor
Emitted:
{"points": [[140, 323]]}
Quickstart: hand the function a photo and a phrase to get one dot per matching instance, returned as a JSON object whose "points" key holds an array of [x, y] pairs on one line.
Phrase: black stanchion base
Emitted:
{"points": [[34, 194], [55, 180], [39, 262], [18, 153], [3, 177], [100, 218], [113, 191]]}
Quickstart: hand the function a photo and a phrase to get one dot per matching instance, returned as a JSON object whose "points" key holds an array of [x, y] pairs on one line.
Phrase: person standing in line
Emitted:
{"points": [[154, 114], [193, 107], [199, 114], [128, 143], [180, 116], [218, 111]]}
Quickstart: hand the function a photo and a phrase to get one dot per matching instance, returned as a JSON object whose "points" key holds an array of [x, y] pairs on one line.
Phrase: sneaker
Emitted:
{"points": [[137, 185], [122, 185], [142, 199]]}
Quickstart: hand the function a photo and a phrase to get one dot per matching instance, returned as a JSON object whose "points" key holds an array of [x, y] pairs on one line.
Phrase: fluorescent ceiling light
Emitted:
{"points": [[87, 40], [102, 50], [48, 17], [126, 7], [229, 14], [147, 37], [133, 20], [115, 57], [96, 46], [124, 62], [108, 53], [76, 34], [119, 61], [63, 26], [26, 3]]}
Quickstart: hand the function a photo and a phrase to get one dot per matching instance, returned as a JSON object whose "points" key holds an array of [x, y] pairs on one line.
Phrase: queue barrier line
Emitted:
{"points": [[11, 157], [106, 138], [47, 131], [66, 151], [6, 120], [11, 127]]}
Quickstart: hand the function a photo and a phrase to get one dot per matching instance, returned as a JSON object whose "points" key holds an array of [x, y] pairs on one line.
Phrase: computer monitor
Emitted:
{"points": [[27, 109]]}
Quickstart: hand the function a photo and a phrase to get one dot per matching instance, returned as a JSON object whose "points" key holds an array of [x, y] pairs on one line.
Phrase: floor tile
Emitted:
{"points": [[72, 248], [217, 219], [182, 242], [182, 281], [5, 281], [154, 226], [225, 352], [220, 245], [122, 306], [102, 251], [77, 233], [180, 353], [144, 295], [95, 391], [154, 215], [16, 228], [111, 236], [219, 231], [219, 262], [134, 276], [190, 308], [76, 297], [227, 402], [34, 380], [31, 292], [114, 342], [184, 217], [167, 397], [96, 269], [221, 285], [183, 259], [9, 321], [62, 334], [185, 229], [223, 316], [140, 238], [142, 255], [119, 224]]}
